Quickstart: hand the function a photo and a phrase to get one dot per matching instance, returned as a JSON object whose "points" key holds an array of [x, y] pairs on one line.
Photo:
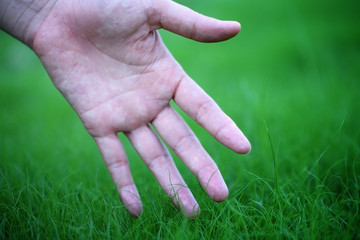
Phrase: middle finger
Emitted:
{"points": [[181, 139]]}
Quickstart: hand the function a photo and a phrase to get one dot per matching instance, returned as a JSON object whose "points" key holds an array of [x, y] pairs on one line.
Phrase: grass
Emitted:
{"points": [[291, 82]]}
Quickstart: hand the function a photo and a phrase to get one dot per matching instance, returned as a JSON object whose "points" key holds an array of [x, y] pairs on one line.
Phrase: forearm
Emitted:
{"points": [[22, 18]]}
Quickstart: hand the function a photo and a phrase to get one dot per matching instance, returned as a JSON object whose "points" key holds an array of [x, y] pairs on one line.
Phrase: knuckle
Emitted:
{"points": [[203, 109], [159, 161], [185, 143], [207, 171], [220, 130], [115, 166]]}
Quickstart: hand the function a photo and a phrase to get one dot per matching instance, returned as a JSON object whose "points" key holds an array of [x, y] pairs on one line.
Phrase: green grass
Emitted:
{"points": [[291, 80]]}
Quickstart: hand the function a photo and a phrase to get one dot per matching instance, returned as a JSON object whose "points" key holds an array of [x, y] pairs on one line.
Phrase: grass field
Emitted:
{"points": [[290, 80]]}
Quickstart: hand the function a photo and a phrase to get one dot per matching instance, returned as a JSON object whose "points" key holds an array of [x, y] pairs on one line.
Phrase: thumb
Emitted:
{"points": [[190, 24]]}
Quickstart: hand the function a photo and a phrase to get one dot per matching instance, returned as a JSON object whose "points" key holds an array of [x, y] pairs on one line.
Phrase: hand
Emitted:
{"points": [[109, 62]]}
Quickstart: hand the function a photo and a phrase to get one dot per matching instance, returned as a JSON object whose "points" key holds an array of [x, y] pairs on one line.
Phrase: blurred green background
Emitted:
{"points": [[294, 67]]}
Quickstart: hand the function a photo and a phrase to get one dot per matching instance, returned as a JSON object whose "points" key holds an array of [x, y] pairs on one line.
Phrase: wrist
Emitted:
{"points": [[22, 18]]}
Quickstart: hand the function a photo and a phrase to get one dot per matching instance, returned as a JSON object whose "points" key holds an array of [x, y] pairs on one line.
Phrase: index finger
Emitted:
{"points": [[203, 109]]}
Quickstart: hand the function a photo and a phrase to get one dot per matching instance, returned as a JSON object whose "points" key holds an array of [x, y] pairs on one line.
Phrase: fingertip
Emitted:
{"points": [[220, 194], [225, 31], [218, 30], [131, 200], [192, 212], [235, 26], [186, 203], [243, 146], [232, 137], [239, 26], [135, 209], [216, 187]]}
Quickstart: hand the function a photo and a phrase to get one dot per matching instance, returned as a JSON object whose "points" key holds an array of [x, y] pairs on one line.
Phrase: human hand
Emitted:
{"points": [[109, 62]]}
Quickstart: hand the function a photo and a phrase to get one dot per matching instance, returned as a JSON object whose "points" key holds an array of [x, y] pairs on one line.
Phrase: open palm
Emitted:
{"points": [[109, 62]]}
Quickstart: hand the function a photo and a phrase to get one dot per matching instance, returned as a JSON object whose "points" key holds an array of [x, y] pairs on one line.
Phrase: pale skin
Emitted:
{"points": [[109, 62]]}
